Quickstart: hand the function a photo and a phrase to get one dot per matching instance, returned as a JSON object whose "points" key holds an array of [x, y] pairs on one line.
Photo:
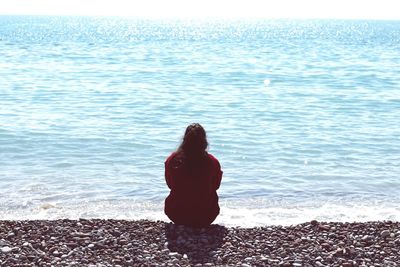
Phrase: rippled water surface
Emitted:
{"points": [[303, 116]]}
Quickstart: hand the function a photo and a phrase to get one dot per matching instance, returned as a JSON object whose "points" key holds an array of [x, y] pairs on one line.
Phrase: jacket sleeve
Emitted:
{"points": [[168, 177], [218, 174]]}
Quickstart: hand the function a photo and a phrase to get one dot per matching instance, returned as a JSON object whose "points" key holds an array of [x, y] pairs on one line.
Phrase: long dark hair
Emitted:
{"points": [[194, 141], [192, 150]]}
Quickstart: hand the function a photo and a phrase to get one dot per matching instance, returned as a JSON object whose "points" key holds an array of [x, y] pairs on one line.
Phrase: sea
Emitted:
{"points": [[303, 115]]}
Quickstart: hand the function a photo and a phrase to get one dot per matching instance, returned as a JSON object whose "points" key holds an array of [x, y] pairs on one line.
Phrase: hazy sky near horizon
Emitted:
{"points": [[340, 9]]}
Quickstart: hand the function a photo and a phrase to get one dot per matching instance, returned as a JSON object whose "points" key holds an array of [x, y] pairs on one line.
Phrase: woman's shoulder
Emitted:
{"points": [[170, 157], [212, 158], [215, 164]]}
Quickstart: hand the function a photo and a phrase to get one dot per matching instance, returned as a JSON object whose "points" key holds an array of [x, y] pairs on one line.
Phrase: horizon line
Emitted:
{"points": [[202, 17]]}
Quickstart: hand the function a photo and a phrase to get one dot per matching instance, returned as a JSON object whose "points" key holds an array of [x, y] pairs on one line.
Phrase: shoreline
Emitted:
{"points": [[99, 242]]}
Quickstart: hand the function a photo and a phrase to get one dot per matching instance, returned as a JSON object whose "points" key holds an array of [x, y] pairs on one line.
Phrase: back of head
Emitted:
{"points": [[194, 141], [192, 151]]}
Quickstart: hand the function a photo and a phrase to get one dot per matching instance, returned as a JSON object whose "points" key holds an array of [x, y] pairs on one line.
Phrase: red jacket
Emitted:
{"points": [[193, 198]]}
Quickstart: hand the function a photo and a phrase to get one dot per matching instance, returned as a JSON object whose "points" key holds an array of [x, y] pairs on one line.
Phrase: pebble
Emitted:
{"points": [[366, 237], [10, 235], [324, 227], [385, 233], [173, 254], [325, 246], [6, 249]]}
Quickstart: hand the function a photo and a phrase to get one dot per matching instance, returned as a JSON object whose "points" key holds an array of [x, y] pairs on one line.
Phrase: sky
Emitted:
{"points": [[339, 9]]}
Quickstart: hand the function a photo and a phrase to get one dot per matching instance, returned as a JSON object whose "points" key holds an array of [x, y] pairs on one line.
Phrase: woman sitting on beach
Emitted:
{"points": [[193, 175]]}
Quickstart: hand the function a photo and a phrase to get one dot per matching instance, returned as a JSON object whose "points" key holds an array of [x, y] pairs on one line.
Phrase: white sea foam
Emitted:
{"points": [[233, 213], [249, 217]]}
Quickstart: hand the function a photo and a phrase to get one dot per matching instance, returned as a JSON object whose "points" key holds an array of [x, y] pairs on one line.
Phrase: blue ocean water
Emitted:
{"points": [[302, 114]]}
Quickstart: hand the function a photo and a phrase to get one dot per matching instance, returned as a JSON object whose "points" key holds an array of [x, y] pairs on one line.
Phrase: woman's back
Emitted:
{"points": [[193, 179]]}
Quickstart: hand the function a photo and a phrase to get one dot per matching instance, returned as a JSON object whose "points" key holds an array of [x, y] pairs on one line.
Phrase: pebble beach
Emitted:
{"points": [[98, 242]]}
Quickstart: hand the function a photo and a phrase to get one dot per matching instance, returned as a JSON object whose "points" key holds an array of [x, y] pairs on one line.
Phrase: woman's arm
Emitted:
{"points": [[217, 172], [218, 175], [168, 177]]}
